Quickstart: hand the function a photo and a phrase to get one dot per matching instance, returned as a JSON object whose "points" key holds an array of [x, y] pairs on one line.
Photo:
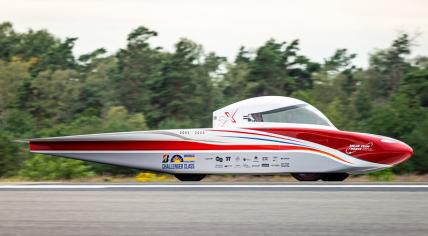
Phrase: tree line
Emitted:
{"points": [[45, 90]]}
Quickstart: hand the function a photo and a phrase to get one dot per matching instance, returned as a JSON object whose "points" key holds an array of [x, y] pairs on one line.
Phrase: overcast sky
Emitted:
{"points": [[223, 26]]}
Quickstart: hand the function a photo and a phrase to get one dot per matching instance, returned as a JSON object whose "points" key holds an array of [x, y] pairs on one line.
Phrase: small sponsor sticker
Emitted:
{"points": [[285, 164], [359, 147]]}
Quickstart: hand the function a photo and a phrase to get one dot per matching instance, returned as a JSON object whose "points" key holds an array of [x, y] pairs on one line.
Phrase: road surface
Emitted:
{"points": [[214, 209]]}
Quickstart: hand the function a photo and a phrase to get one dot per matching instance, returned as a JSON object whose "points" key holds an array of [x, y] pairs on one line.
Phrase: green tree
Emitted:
{"points": [[55, 96], [418, 139], [9, 158], [278, 69], [138, 71], [13, 76], [184, 90], [387, 68], [40, 48], [97, 90], [233, 83]]}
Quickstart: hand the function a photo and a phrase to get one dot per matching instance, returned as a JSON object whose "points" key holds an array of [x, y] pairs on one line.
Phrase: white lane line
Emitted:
{"points": [[55, 186]]}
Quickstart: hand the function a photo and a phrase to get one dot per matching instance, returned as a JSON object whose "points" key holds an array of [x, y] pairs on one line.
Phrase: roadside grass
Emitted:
{"points": [[384, 175]]}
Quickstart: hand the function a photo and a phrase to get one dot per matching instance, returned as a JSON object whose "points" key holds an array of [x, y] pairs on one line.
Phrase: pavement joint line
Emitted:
{"points": [[100, 186]]}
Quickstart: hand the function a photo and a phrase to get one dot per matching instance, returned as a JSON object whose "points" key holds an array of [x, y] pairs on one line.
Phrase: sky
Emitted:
{"points": [[222, 26]]}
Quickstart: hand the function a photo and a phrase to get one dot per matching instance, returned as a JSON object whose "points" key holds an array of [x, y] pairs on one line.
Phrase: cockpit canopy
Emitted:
{"points": [[299, 114], [270, 111]]}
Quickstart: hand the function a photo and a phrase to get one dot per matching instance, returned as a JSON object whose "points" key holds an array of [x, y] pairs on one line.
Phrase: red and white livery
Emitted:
{"points": [[262, 135]]}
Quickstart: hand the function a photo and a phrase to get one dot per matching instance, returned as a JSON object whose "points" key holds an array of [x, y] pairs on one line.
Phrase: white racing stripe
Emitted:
{"points": [[166, 186]]}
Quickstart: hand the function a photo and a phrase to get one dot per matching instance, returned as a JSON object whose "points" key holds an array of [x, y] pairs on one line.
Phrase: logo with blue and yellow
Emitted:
{"points": [[178, 161]]}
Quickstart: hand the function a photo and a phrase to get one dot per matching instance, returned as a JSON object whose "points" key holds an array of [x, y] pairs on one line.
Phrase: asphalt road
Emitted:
{"points": [[215, 210]]}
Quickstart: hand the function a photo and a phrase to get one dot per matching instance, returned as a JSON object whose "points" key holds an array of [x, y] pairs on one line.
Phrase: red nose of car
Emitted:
{"points": [[382, 150]]}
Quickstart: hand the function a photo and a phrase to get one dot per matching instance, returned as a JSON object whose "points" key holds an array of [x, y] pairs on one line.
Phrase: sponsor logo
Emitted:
{"points": [[165, 158], [227, 117], [237, 159], [225, 166], [177, 159], [249, 118], [359, 147], [237, 166], [275, 158], [255, 165], [247, 165], [219, 159], [265, 158], [209, 158], [256, 159], [265, 165], [218, 166], [246, 159], [178, 166], [275, 165], [189, 158], [227, 158], [178, 162], [285, 158], [285, 164]]}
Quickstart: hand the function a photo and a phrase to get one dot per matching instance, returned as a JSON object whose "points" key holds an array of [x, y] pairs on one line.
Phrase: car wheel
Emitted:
{"points": [[334, 176], [190, 177], [307, 176]]}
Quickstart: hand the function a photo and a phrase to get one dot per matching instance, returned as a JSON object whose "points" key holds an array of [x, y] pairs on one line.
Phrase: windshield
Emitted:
{"points": [[300, 114]]}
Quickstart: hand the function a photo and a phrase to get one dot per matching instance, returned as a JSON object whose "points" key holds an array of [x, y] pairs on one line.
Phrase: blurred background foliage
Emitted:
{"points": [[45, 90]]}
